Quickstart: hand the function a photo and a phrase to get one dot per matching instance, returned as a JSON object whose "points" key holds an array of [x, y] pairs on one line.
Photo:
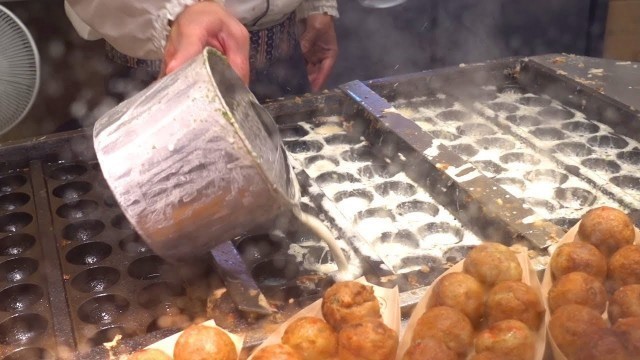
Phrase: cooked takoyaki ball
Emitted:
{"points": [[578, 288], [606, 228], [514, 300], [578, 256], [491, 263], [348, 302], [460, 291], [312, 338]]}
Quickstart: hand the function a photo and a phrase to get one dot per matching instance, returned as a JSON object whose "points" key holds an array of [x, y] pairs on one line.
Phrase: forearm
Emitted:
{"points": [[136, 28], [308, 7]]}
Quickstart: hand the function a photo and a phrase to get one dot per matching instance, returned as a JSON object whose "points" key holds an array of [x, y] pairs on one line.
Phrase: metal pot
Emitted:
{"points": [[194, 160]]}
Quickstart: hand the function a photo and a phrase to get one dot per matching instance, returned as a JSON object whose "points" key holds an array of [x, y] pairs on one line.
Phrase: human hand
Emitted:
{"points": [[207, 24], [319, 48]]}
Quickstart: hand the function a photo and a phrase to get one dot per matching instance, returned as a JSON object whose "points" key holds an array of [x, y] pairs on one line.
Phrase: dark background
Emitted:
{"points": [[78, 83]]}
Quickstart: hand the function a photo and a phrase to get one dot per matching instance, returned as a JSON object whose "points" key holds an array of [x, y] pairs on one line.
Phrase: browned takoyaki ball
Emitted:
{"points": [[446, 324], [514, 300], [578, 288], [149, 354], [429, 349], [624, 267], [606, 228], [510, 338], [348, 302], [276, 352], [312, 338], [204, 342], [601, 344], [460, 291], [491, 263], [369, 339], [572, 323], [624, 303], [628, 330], [578, 256]]}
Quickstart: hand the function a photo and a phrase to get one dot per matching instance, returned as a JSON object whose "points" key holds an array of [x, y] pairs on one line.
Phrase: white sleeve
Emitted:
{"points": [[137, 28], [308, 7]]}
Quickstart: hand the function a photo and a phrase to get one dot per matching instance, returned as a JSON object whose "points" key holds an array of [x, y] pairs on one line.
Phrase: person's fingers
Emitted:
{"points": [[236, 47], [321, 74], [307, 40]]}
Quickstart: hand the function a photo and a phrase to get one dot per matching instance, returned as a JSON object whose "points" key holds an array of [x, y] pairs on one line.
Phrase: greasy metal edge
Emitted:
{"points": [[63, 330], [481, 204]]}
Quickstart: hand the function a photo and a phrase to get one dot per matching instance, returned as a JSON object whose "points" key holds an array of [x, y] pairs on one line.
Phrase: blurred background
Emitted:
{"points": [[78, 84]]}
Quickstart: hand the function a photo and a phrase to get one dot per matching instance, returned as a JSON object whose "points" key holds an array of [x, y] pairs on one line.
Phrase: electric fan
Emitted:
{"points": [[19, 70]]}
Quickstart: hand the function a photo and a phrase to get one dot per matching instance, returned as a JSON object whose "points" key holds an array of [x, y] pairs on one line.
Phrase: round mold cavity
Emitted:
{"points": [[534, 101], [83, 230], [383, 170], [542, 204], [276, 272], [573, 148], [443, 135], [120, 222], [524, 120], [77, 209], [397, 188], [555, 113], [18, 269], [413, 261], [510, 89], [580, 127], [133, 244], [576, 198], [68, 172], [108, 334], [607, 141], [358, 154], [302, 146], [340, 139], [146, 268], [565, 223], [375, 213], [317, 255], [548, 133], [14, 222], [547, 176], [95, 279], [519, 158], [72, 190], [320, 163], [88, 253], [103, 309], [497, 143], [503, 107], [253, 248], [474, 129], [292, 132], [20, 297], [440, 233], [627, 182], [16, 244], [453, 115], [464, 150], [12, 182], [631, 157], [30, 353], [334, 177], [404, 237], [110, 201], [489, 167], [456, 254], [309, 209], [514, 186], [22, 329], [159, 293], [603, 165], [356, 198], [10, 202], [417, 206]]}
